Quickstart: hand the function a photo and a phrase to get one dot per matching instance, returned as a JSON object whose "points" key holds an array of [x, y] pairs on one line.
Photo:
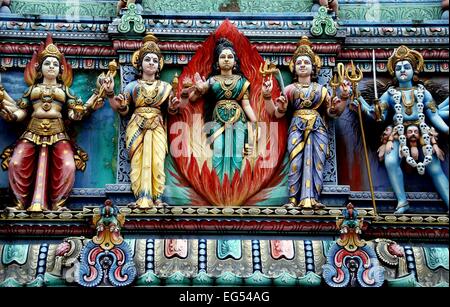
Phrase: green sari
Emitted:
{"points": [[229, 131]]}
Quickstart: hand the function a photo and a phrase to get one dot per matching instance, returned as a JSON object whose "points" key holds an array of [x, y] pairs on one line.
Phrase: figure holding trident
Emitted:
{"points": [[414, 112], [355, 76], [308, 136]]}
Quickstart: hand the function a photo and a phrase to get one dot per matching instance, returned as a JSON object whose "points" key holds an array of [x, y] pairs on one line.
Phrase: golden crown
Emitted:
{"points": [[403, 53], [150, 46], [304, 48], [49, 51]]}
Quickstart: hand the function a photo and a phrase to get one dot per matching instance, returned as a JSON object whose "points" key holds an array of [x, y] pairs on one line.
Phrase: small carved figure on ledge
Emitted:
{"points": [[4, 6], [122, 4], [331, 5]]}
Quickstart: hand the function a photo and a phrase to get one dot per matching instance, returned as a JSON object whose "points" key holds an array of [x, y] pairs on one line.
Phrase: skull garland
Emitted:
{"points": [[405, 151], [410, 151], [420, 168], [398, 119], [411, 161], [400, 129], [420, 107]]}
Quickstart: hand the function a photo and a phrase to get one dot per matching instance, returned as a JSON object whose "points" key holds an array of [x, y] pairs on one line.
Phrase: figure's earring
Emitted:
{"points": [[216, 66], [234, 68], [415, 77], [39, 75], [61, 72]]}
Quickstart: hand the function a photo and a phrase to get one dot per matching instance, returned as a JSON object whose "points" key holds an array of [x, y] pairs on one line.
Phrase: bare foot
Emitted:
{"points": [[319, 206], [61, 209], [159, 203], [289, 205], [132, 205]]}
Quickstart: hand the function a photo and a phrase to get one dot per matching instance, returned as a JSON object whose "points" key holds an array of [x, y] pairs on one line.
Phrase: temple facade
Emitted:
{"points": [[224, 143]]}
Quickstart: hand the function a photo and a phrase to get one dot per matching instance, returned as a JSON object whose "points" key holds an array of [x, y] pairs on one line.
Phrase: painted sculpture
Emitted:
{"points": [[229, 91], [146, 139], [42, 163], [351, 262], [107, 258], [222, 158], [308, 137], [414, 121]]}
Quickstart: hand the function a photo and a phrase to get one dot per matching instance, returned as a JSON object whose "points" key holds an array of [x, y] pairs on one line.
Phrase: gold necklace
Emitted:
{"points": [[408, 105], [149, 92], [306, 101], [227, 84], [302, 85], [47, 96]]}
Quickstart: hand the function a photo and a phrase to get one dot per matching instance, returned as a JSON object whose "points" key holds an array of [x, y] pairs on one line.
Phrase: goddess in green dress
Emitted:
{"points": [[229, 89]]}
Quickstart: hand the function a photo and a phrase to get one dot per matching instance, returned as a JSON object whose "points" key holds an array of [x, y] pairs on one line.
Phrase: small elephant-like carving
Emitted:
{"points": [[392, 257], [67, 256]]}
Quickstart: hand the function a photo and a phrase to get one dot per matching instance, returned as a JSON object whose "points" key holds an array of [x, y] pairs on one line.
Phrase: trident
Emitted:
{"points": [[270, 68], [355, 75], [337, 81]]}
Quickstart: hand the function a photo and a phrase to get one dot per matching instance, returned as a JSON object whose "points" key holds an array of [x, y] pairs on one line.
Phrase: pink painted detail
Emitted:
{"points": [[396, 250], [367, 279], [176, 248], [282, 248], [63, 249], [339, 263], [92, 274], [118, 275], [363, 256], [92, 257], [119, 255]]}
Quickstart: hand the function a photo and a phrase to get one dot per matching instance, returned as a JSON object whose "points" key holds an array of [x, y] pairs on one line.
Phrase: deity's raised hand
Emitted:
{"points": [[107, 84], [200, 83]]}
